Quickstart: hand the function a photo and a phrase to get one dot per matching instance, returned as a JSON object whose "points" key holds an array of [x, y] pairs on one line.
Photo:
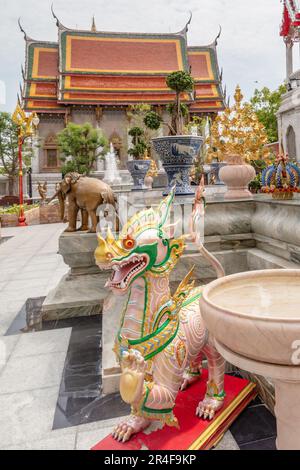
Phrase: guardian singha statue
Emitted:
{"points": [[162, 337]]}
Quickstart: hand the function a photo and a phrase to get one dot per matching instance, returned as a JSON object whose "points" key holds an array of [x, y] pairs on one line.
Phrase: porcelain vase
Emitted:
{"points": [[177, 154], [237, 176], [138, 170]]}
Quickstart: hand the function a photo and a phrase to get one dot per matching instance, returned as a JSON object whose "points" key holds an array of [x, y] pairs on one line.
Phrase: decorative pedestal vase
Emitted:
{"points": [[255, 320], [237, 176], [177, 154], [138, 170]]}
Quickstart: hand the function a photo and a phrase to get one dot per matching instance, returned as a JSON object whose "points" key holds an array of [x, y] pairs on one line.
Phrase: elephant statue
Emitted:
{"points": [[84, 194]]}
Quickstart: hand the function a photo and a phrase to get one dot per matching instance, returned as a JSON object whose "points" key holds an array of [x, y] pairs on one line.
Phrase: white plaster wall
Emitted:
{"points": [[289, 115]]}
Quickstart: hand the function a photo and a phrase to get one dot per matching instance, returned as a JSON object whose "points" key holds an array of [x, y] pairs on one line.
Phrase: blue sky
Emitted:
{"points": [[250, 49]]}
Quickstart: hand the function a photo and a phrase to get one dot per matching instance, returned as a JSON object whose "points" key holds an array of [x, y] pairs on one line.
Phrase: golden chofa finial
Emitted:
{"points": [[93, 27], [238, 96]]}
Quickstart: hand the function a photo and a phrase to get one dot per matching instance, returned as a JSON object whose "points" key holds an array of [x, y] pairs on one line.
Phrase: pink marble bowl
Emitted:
{"points": [[256, 314]]}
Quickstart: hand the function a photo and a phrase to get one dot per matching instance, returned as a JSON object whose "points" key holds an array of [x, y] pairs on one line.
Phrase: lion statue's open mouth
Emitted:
{"points": [[125, 271]]}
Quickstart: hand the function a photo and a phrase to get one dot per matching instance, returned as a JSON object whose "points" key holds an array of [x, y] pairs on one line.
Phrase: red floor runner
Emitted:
{"points": [[194, 433]]}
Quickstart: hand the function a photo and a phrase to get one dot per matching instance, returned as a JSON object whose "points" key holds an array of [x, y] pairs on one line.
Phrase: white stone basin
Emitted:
{"points": [[256, 314]]}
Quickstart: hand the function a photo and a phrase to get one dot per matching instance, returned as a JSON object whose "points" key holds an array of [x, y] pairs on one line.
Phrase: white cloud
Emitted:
{"points": [[250, 49]]}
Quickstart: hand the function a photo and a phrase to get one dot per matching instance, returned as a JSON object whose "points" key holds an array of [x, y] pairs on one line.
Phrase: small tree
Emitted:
{"points": [[265, 104], [180, 82], [81, 145], [139, 145], [9, 163]]}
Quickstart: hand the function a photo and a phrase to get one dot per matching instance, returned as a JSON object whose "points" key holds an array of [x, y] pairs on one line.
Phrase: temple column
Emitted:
{"points": [[35, 166], [98, 116], [289, 58], [129, 138]]}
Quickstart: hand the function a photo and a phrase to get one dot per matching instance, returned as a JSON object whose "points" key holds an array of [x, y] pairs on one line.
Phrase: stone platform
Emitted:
{"points": [[259, 233], [80, 292]]}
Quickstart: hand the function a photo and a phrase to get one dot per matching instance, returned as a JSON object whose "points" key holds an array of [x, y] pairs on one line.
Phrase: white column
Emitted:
{"points": [[35, 155], [289, 59], [129, 145]]}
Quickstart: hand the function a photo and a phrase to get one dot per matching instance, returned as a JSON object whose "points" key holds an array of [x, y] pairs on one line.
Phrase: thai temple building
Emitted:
{"points": [[289, 112], [93, 76]]}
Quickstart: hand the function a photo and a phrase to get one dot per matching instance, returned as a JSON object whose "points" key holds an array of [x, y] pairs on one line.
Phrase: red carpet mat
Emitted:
{"points": [[194, 433]]}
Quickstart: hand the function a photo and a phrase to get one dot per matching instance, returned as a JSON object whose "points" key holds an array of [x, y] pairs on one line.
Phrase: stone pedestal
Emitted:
{"points": [[287, 389], [255, 234], [81, 292], [50, 214]]}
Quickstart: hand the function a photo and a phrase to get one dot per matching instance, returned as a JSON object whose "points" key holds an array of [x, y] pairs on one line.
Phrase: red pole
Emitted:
{"points": [[22, 218]]}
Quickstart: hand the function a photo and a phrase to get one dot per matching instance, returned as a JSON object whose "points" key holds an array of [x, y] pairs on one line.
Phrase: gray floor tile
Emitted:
{"points": [[31, 372], [7, 345], [26, 416], [65, 442], [43, 342], [227, 443], [87, 439]]}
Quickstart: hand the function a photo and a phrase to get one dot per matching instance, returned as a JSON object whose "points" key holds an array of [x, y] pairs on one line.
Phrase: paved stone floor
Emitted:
{"points": [[32, 364]]}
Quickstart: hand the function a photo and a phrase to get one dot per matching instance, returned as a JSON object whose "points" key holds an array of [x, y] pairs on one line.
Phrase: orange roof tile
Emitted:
{"points": [[117, 68]]}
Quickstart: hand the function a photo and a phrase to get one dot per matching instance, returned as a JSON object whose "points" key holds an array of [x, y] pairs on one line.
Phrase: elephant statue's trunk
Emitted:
{"points": [[61, 199]]}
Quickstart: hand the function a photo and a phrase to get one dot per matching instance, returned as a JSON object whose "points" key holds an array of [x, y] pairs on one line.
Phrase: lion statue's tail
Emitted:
{"points": [[195, 230]]}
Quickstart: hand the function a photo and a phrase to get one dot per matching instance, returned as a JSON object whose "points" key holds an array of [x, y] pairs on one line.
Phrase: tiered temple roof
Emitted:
{"points": [[290, 26], [117, 69]]}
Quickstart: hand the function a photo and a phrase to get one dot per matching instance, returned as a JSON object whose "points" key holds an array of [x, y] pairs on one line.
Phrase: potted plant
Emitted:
{"points": [[176, 151], [255, 185], [138, 167], [237, 138]]}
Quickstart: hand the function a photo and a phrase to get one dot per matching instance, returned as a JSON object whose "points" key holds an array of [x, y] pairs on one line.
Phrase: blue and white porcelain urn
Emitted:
{"points": [[177, 154]]}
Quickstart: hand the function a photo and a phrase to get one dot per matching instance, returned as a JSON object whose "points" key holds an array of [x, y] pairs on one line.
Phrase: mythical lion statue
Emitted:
{"points": [[162, 337]]}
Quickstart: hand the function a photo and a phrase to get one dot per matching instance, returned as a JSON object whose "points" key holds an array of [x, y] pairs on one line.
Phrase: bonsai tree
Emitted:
{"points": [[180, 82], [139, 145], [81, 145]]}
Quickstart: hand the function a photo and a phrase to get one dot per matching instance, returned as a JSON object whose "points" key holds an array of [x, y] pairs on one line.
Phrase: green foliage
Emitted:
{"points": [[266, 104], [137, 114], [259, 165], [152, 120], [138, 151], [180, 81], [139, 109], [256, 184], [139, 145], [15, 208], [9, 164], [172, 108], [136, 132], [80, 145]]}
